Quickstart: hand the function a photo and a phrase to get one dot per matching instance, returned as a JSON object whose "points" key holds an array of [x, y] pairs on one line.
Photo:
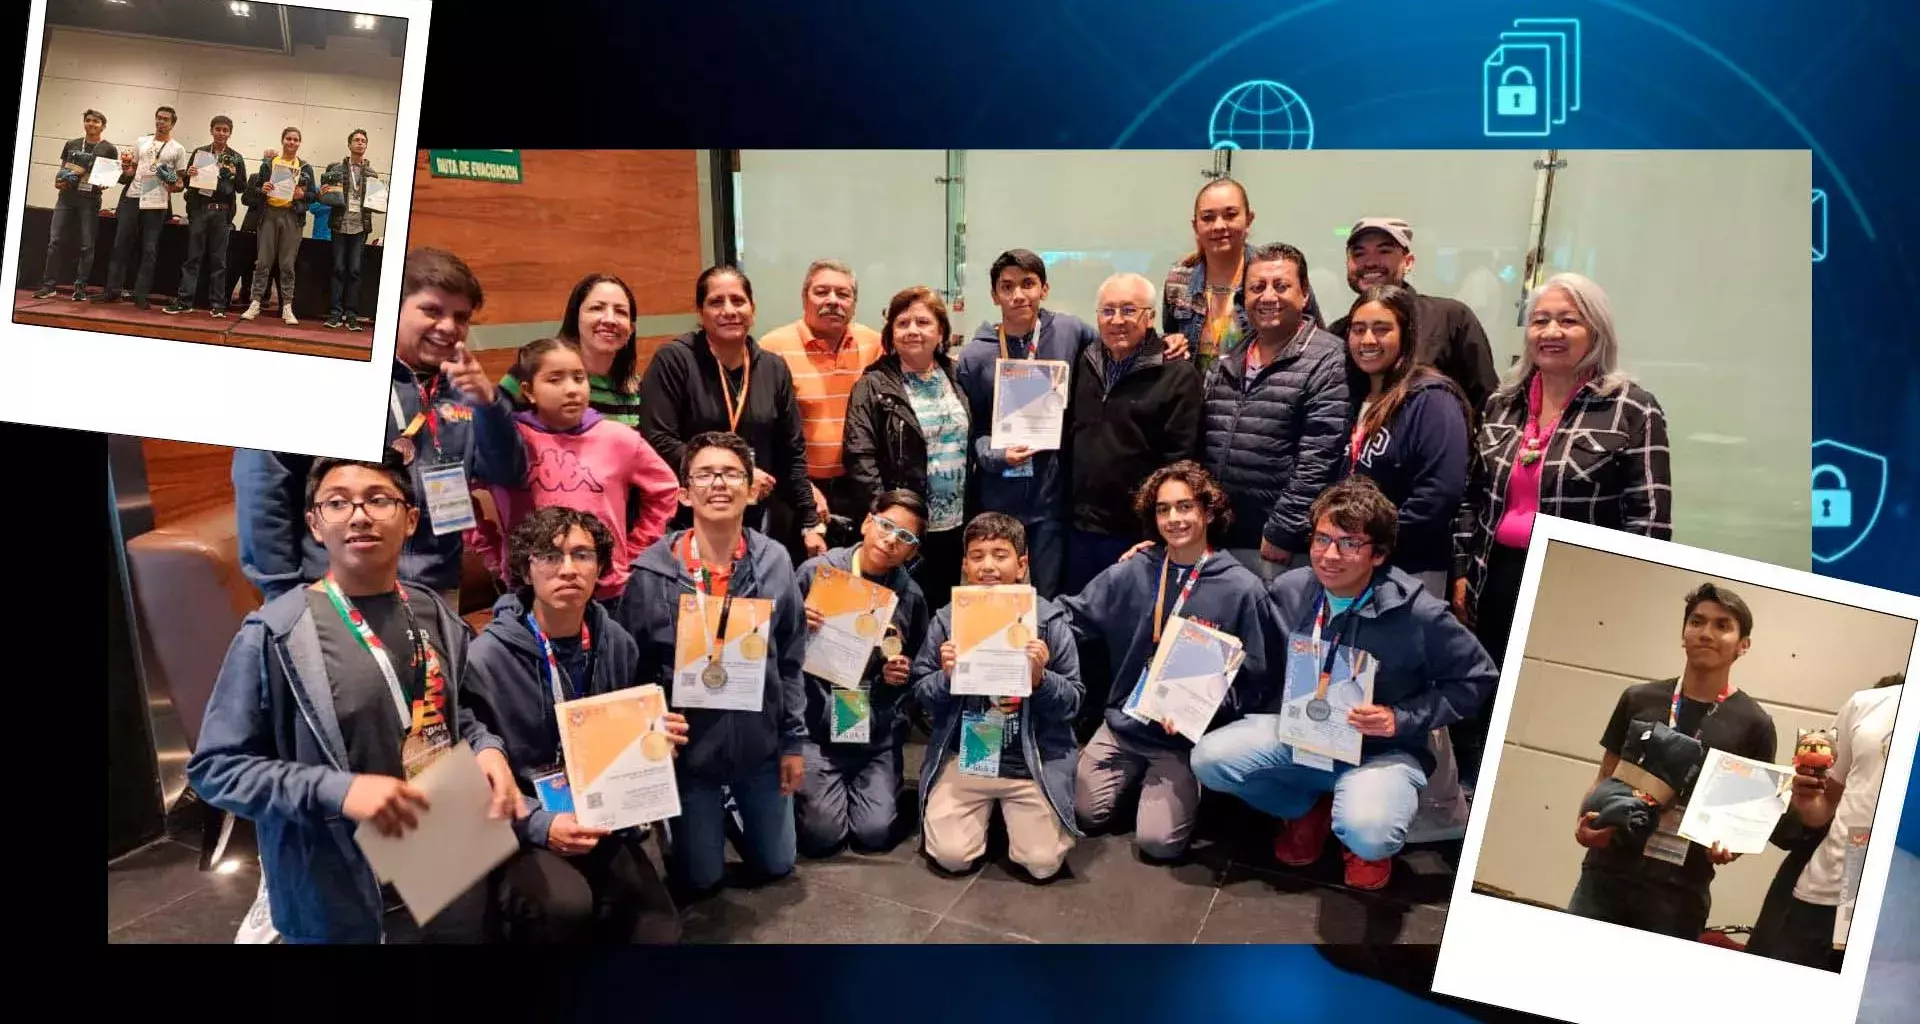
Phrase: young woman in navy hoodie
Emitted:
{"points": [[1409, 431], [1125, 610], [550, 642]]}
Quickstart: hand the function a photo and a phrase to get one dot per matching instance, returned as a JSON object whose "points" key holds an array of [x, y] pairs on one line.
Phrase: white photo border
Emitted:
{"points": [[215, 394]]}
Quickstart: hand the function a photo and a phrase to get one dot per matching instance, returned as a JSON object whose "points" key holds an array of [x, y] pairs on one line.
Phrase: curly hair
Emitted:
{"points": [[536, 535], [1206, 490]]}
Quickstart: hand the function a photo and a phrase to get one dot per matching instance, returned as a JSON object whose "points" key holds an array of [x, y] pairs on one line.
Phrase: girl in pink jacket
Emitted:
{"points": [[580, 460]]}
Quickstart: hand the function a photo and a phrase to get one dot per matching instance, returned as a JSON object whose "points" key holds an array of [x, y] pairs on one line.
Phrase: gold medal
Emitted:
{"points": [[714, 676], [1018, 635], [891, 646], [866, 626], [753, 647], [655, 746]]}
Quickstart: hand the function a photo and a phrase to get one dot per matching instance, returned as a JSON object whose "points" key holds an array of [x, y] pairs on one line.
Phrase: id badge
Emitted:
{"points": [[1023, 470], [981, 734], [1307, 759], [449, 501], [1132, 704], [852, 715], [555, 796], [1667, 844], [1855, 863], [423, 747]]}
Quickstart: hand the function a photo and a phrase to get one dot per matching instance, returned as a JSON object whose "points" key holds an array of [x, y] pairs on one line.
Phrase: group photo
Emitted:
{"points": [[1139, 566], [213, 173]]}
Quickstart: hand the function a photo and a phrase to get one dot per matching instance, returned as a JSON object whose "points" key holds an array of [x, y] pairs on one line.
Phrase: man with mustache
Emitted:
{"points": [[445, 418], [1450, 338], [826, 352]]}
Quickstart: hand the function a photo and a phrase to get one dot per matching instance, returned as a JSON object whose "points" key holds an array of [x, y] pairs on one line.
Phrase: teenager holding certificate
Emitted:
{"points": [[717, 607], [332, 699], [550, 643], [286, 182], [344, 190], [856, 728], [150, 173], [76, 213], [1350, 608], [907, 426], [218, 169], [1016, 752], [1126, 609], [1662, 886]]}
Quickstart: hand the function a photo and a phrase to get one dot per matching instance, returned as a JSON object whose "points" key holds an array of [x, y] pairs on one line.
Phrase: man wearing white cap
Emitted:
{"points": [[1449, 337]]}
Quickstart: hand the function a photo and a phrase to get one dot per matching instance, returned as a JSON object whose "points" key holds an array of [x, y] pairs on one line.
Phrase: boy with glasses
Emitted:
{"points": [[752, 748], [332, 699], [853, 774], [1429, 672]]}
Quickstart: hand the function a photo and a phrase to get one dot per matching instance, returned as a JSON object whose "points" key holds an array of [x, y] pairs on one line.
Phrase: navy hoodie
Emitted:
{"points": [[507, 688], [724, 746], [1116, 610], [1432, 672], [910, 616], [1043, 495], [1419, 460]]}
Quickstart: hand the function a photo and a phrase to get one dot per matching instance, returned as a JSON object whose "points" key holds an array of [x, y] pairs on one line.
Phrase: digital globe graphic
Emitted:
{"points": [[1260, 115]]}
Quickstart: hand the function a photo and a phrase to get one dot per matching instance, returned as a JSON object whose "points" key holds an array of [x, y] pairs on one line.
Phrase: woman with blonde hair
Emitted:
{"points": [[1569, 435]]}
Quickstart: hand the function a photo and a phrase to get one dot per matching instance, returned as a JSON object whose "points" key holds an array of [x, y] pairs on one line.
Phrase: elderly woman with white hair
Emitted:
{"points": [[1568, 435], [1133, 410]]}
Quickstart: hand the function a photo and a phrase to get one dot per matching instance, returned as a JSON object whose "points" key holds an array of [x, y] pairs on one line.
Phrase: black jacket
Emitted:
{"points": [[681, 397], [1449, 338], [1276, 443], [256, 194], [885, 447], [233, 178], [1420, 460], [1151, 417]]}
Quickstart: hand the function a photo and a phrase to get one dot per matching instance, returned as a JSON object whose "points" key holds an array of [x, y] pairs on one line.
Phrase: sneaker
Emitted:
{"points": [[334, 322], [1367, 874], [252, 311], [217, 314], [80, 293], [47, 292], [353, 323], [142, 305], [1301, 840], [176, 308], [105, 298], [286, 314]]}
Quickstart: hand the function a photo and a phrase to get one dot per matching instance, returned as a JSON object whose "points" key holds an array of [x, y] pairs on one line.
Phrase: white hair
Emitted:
{"points": [[1133, 282], [1603, 352], [837, 266]]}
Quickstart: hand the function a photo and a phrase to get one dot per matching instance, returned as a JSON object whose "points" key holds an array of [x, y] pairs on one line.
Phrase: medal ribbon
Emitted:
{"points": [[555, 676], [1186, 591], [1033, 339], [371, 642], [426, 417], [1320, 606], [734, 412], [703, 586], [1673, 712]]}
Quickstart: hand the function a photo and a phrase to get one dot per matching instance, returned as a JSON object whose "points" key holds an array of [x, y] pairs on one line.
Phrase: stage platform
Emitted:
{"points": [[197, 326]]}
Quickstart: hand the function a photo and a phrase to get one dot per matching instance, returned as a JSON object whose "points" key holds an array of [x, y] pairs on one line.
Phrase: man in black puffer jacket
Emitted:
{"points": [[1276, 416]]}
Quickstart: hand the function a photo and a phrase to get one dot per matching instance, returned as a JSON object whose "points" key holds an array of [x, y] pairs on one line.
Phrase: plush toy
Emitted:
{"points": [[69, 177], [1657, 765], [1813, 755], [166, 173]]}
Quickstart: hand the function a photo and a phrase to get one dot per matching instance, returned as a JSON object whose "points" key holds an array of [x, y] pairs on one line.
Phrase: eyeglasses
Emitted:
{"points": [[1185, 507], [554, 559], [1120, 312], [1351, 545], [709, 478], [379, 508], [899, 533]]}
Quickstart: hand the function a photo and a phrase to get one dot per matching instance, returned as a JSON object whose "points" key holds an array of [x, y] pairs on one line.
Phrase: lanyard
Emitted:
{"points": [[1673, 712], [1320, 605], [371, 641], [426, 417], [1033, 339], [734, 412], [1186, 591], [703, 585], [873, 596], [554, 675]]}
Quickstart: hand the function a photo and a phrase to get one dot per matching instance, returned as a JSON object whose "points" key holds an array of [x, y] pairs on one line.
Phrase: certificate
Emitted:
{"points": [[1188, 678], [1316, 722], [619, 759], [280, 184], [857, 612], [1029, 403], [106, 171], [455, 843], [991, 627], [1737, 802], [152, 192], [206, 172], [376, 198], [741, 682]]}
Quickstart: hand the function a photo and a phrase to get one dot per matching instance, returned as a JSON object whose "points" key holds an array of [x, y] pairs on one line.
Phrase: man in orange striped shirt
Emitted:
{"points": [[826, 352]]}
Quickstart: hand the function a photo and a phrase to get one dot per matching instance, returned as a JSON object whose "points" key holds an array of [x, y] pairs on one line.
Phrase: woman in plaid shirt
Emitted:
{"points": [[1566, 435]]}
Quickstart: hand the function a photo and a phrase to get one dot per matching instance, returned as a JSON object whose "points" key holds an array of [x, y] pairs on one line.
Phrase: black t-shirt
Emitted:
{"points": [[369, 722], [79, 151], [1741, 726], [1013, 756], [573, 661]]}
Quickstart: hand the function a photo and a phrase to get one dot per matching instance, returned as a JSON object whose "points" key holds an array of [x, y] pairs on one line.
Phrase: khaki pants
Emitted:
{"points": [[960, 807]]}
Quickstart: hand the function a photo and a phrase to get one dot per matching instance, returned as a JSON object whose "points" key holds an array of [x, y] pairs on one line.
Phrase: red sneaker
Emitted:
{"points": [[1301, 840], [1367, 874]]}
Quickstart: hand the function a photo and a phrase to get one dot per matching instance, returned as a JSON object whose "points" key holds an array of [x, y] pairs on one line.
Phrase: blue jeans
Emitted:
{"points": [[1372, 804], [347, 250], [1046, 556], [136, 240], [76, 217], [207, 234], [1090, 554], [698, 852]]}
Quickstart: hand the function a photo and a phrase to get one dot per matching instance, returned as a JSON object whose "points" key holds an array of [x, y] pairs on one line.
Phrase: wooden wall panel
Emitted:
{"points": [[635, 213], [499, 360], [186, 479]]}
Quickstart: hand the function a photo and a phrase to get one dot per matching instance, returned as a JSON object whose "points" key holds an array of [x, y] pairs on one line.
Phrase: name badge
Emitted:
{"points": [[982, 732], [555, 796], [1667, 844], [449, 500], [1023, 470]]}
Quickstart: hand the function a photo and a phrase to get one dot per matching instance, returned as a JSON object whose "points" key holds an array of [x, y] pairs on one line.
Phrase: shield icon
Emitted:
{"points": [[1859, 478]]}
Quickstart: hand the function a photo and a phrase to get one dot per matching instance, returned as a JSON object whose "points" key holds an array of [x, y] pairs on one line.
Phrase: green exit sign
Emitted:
{"points": [[501, 165]]}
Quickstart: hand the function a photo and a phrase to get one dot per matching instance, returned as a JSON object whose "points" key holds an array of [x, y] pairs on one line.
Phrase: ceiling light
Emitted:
{"points": [[240, 10], [365, 22]]}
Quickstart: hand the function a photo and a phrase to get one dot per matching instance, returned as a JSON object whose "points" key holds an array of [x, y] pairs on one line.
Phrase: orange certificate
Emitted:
{"points": [[857, 612], [991, 629], [619, 760], [721, 651]]}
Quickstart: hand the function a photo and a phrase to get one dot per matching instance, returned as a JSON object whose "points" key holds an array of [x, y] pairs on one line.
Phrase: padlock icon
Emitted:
{"points": [[1516, 100], [1832, 507]]}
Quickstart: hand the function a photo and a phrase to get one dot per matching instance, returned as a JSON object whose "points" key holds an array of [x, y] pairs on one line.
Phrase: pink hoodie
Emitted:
{"points": [[594, 467]]}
